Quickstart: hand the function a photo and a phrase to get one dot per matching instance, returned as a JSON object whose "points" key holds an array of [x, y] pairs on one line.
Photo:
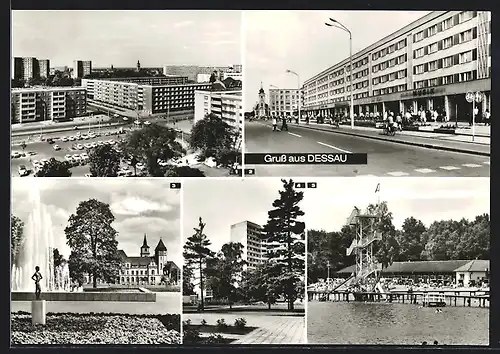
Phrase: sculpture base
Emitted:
{"points": [[38, 312]]}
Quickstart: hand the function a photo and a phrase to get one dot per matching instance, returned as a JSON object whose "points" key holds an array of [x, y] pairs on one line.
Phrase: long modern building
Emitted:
{"points": [[149, 98], [225, 104], [429, 64], [283, 102], [192, 71], [47, 103], [29, 67]]}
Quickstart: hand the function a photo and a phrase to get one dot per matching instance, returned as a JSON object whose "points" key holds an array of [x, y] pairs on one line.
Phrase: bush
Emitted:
{"points": [[240, 323], [203, 322], [221, 323], [186, 323], [191, 336], [214, 339]]}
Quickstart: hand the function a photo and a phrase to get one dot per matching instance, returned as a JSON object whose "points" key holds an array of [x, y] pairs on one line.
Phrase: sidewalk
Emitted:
{"points": [[447, 142]]}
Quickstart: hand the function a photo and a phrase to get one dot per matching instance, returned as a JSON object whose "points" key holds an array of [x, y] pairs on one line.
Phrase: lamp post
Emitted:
{"points": [[337, 24], [298, 91]]}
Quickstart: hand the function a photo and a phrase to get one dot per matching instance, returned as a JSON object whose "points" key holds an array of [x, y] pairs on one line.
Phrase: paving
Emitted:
{"points": [[271, 329], [398, 156]]}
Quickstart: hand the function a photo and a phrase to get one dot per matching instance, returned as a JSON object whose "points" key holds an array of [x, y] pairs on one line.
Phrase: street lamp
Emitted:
{"points": [[298, 91], [337, 24]]}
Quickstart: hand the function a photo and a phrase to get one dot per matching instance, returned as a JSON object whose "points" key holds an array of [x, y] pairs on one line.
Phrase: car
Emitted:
{"points": [[50, 141], [100, 143], [15, 154], [80, 147], [93, 144], [57, 147], [76, 157], [107, 134], [31, 153], [88, 146], [44, 161], [64, 139], [92, 135], [84, 156], [68, 157], [72, 138], [22, 170], [111, 142], [84, 137]]}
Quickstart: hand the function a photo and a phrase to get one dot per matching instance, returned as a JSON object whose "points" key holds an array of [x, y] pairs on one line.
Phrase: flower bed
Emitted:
{"points": [[67, 328]]}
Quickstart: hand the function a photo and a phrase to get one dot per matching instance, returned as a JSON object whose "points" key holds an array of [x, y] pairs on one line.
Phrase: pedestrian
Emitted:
{"points": [[385, 115], [487, 117], [275, 123], [423, 116], [399, 121], [435, 115], [284, 125]]}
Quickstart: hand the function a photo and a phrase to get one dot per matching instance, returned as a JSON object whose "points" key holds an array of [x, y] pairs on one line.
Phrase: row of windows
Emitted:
{"points": [[446, 43], [446, 80], [389, 50], [388, 90], [139, 272], [457, 59], [401, 74], [390, 63], [444, 25]]}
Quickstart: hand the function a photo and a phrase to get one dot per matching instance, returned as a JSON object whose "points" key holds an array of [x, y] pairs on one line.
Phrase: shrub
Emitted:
{"points": [[221, 323], [240, 323], [203, 322], [186, 323], [191, 336], [214, 339]]}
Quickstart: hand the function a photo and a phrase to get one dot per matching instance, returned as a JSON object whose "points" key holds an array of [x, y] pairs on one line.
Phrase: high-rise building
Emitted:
{"points": [[283, 102], [254, 248], [429, 64], [18, 69], [47, 103], [30, 68], [238, 68], [81, 68], [225, 104], [44, 67]]}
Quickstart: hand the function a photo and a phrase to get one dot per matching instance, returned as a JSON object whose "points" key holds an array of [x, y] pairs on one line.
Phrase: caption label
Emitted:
{"points": [[175, 185], [306, 159]]}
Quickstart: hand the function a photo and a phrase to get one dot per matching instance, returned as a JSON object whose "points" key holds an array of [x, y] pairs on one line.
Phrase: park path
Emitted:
{"points": [[271, 329]]}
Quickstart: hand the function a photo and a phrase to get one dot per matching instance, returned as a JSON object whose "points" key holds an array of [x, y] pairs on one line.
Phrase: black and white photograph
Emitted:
{"points": [[398, 261], [126, 93], [417, 101], [95, 261], [244, 262]]}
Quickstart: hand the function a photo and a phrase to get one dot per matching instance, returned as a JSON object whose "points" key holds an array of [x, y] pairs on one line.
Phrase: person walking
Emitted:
{"points": [[487, 117], [284, 125], [275, 123]]}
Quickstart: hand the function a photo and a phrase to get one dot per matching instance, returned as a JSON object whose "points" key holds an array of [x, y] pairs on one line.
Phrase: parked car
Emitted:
{"points": [[57, 147], [22, 170]]}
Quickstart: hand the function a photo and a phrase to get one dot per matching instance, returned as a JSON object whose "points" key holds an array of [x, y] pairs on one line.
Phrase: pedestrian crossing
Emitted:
{"points": [[430, 171]]}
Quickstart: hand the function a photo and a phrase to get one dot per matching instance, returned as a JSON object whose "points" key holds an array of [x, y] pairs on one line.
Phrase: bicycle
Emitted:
{"points": [[389, 131]]}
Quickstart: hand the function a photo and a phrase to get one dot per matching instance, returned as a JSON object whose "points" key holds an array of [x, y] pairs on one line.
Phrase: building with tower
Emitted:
{"points": [[261, 109], [138, 67], [148, 269]]}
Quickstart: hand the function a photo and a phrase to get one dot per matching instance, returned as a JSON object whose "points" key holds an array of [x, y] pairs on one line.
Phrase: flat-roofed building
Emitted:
{"points": [[429, 64], [225, 104], [81, 68], [47, 103], [283, 102], [44, 67]]}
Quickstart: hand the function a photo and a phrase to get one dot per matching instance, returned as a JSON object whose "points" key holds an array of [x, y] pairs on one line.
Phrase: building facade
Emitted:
{"points": [[44, 68], [47, 103], [192, 71], [238, 68], [30, 68], [283, 102], [225, 104], [254, 248], [149, 269], [81, 68], [430, 64], [152, 97]]}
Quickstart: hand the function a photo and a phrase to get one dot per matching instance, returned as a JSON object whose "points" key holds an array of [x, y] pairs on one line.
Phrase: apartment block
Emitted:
{"points": [[44, 103], [225, 104], [429, 64], [283, 102], [81, 68]]}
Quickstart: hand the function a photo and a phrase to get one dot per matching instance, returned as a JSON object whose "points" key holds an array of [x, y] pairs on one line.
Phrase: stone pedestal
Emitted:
{"points": [[38, 312]]}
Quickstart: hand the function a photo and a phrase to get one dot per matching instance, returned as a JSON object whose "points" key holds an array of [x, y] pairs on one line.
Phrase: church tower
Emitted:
{"points": [[145, 248], [161, 256], [138, 68], [261, 105]]}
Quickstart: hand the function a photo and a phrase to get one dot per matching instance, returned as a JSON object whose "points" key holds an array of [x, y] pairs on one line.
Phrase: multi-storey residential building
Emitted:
{"points": [[429, 64], [192, 71], [152, 80], [43, 67], [18, 69], [249, 235], [238, 68], [225, 104], [81, 68], [150, 98], [47, 103], [203, 78], [283, 102], [26, 68]]}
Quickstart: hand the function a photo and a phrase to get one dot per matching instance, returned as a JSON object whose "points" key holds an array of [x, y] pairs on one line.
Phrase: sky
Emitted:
{"points": [[427, 199], [222, 203], [120, 38], [140, 207], [299, 41]]}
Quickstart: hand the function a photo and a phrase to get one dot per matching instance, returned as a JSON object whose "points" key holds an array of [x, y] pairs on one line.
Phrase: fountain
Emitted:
{"points": [[37, 249]]}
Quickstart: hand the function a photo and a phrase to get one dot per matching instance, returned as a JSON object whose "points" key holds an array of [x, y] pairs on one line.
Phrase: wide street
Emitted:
{"points": [[385, 158]]}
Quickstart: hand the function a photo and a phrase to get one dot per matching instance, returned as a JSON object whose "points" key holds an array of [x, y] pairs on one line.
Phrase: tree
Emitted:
{"points": [[16, 237], [387, 249], [57, 258], [197, 252], [284, 229], [183, 171], [213, 137], [187, 281], [224, 272], [411, 240], [213, 78], [55, 168], [259, 284], [151, 144], [104, 161], [92, 239]]}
